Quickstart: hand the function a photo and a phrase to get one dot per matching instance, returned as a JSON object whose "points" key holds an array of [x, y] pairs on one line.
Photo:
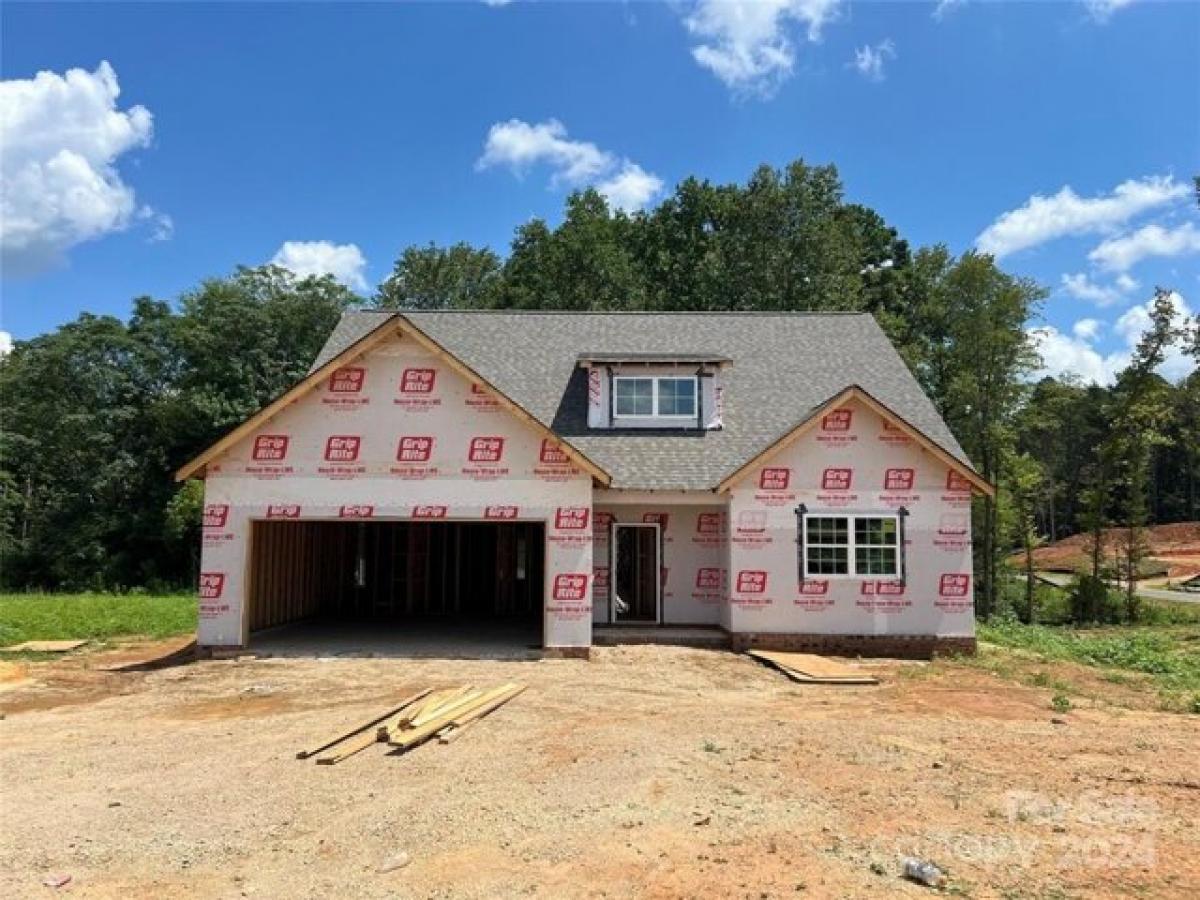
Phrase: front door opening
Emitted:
{"points": [[636, 591]]}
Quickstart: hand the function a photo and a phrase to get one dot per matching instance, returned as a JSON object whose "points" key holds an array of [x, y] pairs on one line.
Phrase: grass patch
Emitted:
{"points": [[1170, 655], [30, 617]]}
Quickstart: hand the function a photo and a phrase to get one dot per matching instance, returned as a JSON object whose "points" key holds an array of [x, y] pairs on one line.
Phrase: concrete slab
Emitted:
{"points": [[399, 640]]}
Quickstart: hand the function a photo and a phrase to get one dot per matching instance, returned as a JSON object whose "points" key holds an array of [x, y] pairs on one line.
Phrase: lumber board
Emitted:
{"points": [[413, 736], [408, 701], [46, 646], [455, 729], [811, 669], [454, 699], [348, 748], [435, 699]]}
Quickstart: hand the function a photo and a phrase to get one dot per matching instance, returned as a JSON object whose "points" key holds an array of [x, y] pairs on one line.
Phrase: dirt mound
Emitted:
{"points": [[1176, 545]]}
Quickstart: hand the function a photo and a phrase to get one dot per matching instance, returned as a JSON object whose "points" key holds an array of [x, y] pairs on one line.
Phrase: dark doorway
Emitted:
{"points": [[397, 573], [635, 592]]}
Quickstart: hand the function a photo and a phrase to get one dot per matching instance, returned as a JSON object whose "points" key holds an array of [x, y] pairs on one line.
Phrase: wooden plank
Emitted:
{"points": [[408, 701], [348, 748], [45, 646], [449, 706], [505, 693], [812, 669], [411, 737]]}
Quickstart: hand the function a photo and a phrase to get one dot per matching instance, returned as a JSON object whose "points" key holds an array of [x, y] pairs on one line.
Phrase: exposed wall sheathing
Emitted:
{"points": [[396, 435], [852, 461], [693, 558]]}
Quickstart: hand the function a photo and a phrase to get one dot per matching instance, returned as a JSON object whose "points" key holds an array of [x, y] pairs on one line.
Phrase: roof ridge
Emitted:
{"points": [[622, 312]]}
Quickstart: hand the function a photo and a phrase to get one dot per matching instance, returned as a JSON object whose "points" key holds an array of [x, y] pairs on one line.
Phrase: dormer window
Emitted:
{"points": [[654, 390], [662, 397]]}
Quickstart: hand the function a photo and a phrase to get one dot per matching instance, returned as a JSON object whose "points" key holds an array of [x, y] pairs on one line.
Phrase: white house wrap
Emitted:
{"points": [[779, 476]]}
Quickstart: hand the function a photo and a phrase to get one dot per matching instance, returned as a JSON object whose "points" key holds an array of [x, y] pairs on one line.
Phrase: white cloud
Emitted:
{"points": [[631, 188], [1127, 283], [1043, 219], [745, 42], [1081, 287], [1076, 353], [520, 146], [1102, 10], [869, 61], [1121, 253], [944, 7], [344, 262], [5, 344], [62, 136]]}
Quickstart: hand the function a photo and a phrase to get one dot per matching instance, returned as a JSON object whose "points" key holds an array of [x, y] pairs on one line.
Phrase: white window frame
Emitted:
{"points": [[654, 413], [851, 545]]}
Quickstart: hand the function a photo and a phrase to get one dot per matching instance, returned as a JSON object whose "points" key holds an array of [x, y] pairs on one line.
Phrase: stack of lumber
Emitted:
{"points": [[443, 714], [808, 668]]}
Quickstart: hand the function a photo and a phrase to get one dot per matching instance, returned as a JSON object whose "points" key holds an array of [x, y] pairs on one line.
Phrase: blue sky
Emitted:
{"points": [[1062, 136]]}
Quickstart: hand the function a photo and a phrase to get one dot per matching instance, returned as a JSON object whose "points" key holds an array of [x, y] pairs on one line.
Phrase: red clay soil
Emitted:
{"points": [[1177, 544]]}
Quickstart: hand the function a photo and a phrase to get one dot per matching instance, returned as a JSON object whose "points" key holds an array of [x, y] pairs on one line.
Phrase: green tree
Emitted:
{"points": [[432, 277], [987, 356]]}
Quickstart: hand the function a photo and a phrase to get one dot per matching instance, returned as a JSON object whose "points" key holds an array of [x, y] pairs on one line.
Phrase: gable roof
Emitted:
{"points": [[358, 342], [783, 368]]}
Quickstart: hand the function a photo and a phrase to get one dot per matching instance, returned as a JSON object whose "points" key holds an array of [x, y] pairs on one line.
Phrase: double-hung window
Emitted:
{"points": [[654, 397], [852, 545]]}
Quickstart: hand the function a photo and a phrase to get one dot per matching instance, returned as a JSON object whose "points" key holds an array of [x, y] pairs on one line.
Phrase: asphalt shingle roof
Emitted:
{"points": [[784, 366]]}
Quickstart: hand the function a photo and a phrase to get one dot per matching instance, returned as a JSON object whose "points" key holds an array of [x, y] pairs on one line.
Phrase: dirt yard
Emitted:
{"points": [[646, 772]]}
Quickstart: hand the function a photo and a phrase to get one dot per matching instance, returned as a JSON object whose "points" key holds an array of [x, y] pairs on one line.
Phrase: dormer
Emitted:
{"points": [[673, 391]]}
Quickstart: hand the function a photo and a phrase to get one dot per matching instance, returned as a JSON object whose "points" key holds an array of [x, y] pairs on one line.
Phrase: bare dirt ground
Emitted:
{"points": [[647, 772], [1177, 546]]}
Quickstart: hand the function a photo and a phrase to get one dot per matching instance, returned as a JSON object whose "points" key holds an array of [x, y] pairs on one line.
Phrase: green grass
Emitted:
{"points": [[1169, 654], [29, 617]]}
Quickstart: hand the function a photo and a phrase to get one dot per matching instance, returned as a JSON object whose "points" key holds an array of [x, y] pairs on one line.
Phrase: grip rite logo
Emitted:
{"points": [[212, 585], [751, 581], [342, 448], [656, 518], [954, 585], [356, 511], [349, 380], [708, 579], [899, 479], [837, 421], [956, 483], [270, 447], [776, 479], [283, 511], [216, 515], [552, 454], [418, 381], [429, 512], [837, 479], [500, 512], [571, 518], [708, 523], [570, 586], [486, 449], [414, 449]]}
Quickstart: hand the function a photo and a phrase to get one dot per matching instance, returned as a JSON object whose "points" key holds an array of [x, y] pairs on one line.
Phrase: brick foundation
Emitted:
{"points": [[566, 652], [900, 646]]}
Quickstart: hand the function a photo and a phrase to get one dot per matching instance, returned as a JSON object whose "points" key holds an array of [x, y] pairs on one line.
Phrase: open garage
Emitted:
{"points": [[392, 586]]}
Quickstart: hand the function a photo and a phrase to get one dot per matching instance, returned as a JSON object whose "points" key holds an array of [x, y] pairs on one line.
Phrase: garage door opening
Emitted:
{"points": [[408, 588]]}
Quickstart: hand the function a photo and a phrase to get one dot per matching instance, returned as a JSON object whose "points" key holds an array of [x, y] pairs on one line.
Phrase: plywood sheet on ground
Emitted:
{"points": [[45, 646], [810, 668]]}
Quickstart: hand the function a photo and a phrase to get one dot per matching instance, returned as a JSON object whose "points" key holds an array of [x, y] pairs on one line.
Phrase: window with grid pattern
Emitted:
{"points": [[654, 397], [845, 545]]}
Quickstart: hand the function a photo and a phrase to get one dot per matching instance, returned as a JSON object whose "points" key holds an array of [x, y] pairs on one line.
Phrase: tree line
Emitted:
{"points": [[99, 412]]}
